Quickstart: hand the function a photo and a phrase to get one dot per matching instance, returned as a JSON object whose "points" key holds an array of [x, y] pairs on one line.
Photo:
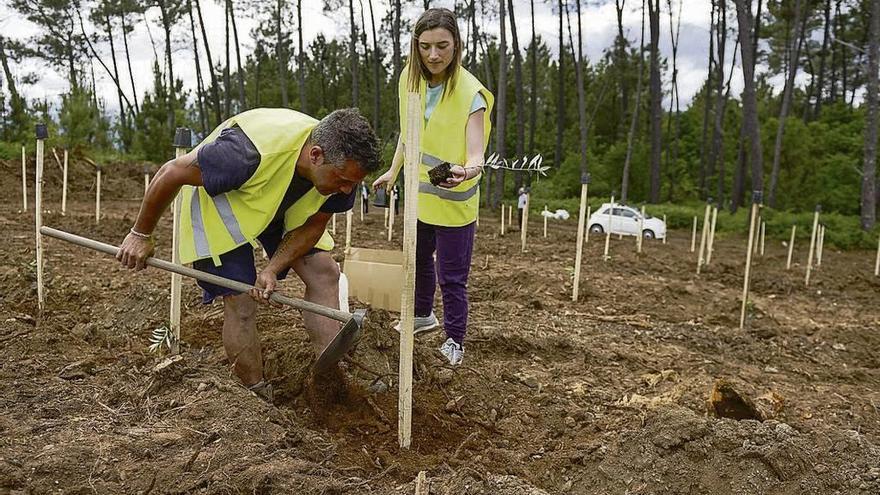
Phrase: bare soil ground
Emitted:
{"points": [[606, 395]]}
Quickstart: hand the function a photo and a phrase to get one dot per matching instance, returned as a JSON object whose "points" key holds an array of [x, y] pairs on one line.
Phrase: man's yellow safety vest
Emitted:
{"points": [[444, 140], [211, 226]]}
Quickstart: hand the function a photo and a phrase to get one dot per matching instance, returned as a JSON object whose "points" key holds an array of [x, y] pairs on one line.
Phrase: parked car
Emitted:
{"points": [[624, 220]]}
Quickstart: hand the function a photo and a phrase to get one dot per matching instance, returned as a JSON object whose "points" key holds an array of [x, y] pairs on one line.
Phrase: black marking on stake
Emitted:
{"points": [[42, 131], [182, 137]]}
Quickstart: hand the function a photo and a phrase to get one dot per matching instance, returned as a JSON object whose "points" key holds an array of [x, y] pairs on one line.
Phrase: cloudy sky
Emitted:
{"points": [[599, 24]]}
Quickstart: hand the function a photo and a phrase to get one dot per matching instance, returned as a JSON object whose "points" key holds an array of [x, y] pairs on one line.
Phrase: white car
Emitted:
{"points": [[624, 220]]}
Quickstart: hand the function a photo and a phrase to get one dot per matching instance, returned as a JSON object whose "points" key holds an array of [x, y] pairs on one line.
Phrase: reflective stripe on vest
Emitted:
{"points": [[200, 237]]}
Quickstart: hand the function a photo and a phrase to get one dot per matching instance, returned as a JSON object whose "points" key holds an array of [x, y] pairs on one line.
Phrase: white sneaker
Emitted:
{"points": [[422, 324], [452, 351]]}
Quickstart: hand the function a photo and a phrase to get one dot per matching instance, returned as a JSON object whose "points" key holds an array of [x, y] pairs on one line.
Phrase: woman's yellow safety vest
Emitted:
{"points": [[443, 140], [211, 226]]}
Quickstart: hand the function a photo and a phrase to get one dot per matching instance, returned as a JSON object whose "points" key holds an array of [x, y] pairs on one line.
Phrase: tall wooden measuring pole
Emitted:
{"points": [[42, 135], [579, 252], [757, 198], [790, 247], [605, 256], [412, 158], [182, 141]]}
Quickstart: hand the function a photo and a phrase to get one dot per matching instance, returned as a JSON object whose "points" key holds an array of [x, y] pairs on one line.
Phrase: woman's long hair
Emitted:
{"points": [[432, 19]]}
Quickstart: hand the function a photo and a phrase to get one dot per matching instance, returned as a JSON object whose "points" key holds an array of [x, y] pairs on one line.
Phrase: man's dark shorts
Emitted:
{"points": [[238, 264]]}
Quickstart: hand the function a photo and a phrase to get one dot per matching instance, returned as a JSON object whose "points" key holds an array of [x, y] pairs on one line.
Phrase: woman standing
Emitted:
{"points": [[456, 130]]}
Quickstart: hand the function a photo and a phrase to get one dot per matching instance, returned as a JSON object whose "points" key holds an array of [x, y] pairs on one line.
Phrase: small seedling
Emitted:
{"points": [[161, 335]]}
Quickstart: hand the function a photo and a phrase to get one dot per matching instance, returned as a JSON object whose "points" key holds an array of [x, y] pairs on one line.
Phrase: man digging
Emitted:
{"points": [[273, 176]]}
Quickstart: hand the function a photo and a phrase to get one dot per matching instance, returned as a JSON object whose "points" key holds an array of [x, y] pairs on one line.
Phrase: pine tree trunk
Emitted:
{"points": [[634, 120], [501, 115], [301, 73], [474, 35], [280, 54], [620, 65], [377, 83], [215, 85], [227, 83], [673, 122], [582, 104], [533, 114], [560, 102], [707, 106], [656, 100], [793, 55], [242, 102], [395, 39], [518, 87], [137, 107], [200, 88], [750, 101], [823, 55], [353, 56], [123, 121], [869, 169], [166, 26], [718, 128]]}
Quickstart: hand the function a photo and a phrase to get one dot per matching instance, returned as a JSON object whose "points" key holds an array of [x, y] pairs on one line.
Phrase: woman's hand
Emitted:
{"points": [[382, 180], [459, 175]]}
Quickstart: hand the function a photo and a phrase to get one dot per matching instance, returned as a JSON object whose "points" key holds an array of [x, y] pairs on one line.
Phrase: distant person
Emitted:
{"points": [[396, 191], [365, 198], [456, 130], [273, 176]]}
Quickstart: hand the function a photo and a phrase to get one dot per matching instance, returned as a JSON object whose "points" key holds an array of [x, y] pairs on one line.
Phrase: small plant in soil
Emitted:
{"points": [[161, 335]]}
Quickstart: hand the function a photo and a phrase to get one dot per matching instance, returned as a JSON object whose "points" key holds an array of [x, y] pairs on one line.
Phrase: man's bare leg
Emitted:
{"points": [[321, 276], [240, 338]]}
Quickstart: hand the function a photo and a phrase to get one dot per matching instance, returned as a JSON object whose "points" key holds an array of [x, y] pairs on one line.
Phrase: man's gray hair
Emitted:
{"points": [[346, 134]]}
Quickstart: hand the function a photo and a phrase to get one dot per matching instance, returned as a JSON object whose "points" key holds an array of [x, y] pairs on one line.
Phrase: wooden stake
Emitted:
{"points": [[640, 238], [820, 249], [391, 202], [423, 487], [587, 226], [502, 219], [694, 236], [704, 238], [510, 215], [98, 196], [23, 179], [877, 261], [580, 243], [667, 230], [363, 203], [710, 246], [333, 222], [524, 227], [756, 198], [812, 246], [407, 302], [182, 140], [763, 232], [38, 214], [545, 221], [64, 185], [790, 247], [605, 256], [348, 220]]}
